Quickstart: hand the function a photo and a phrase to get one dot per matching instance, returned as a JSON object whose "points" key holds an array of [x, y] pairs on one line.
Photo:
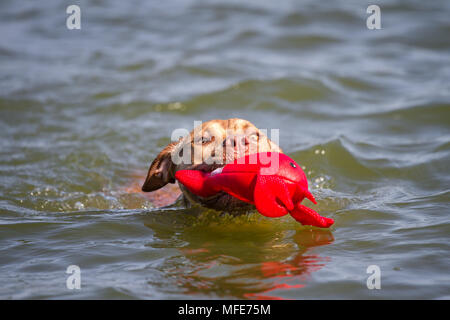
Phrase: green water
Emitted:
{"points": [[83, 113]]}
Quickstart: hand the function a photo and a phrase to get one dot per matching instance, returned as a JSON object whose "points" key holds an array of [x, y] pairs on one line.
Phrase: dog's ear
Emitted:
{"points": [[161, 171]]}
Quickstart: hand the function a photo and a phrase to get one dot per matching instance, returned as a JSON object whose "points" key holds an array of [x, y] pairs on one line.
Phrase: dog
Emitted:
{"points": [[209, 146]]}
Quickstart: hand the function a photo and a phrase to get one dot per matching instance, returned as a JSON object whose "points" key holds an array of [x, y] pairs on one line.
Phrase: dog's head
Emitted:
{"points": [[209, 146]]}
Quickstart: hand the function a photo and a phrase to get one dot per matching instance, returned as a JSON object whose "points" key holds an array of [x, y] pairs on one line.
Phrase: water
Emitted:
{"points": [[83, 112]]}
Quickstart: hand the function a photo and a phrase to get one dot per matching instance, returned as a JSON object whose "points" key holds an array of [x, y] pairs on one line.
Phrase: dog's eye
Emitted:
{"points": [[204, 140], [253, 137], [293, 165]]}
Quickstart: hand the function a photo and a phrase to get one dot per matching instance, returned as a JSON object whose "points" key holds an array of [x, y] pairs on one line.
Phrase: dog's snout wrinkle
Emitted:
{"points": [[236, 141]]}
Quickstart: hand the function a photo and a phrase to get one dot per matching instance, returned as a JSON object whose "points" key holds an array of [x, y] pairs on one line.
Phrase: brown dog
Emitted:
{"points": [[209, 146]]}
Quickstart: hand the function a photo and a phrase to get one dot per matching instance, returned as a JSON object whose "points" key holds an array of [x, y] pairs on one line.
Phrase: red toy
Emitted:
{"points": [[272, 181]]}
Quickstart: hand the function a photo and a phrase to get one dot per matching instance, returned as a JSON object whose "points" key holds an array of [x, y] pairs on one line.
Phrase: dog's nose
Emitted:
{"points": [[236, 142]]}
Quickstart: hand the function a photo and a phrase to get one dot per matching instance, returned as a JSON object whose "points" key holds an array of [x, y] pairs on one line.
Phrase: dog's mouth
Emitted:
{"points": [[222, 200], [208, 168]]}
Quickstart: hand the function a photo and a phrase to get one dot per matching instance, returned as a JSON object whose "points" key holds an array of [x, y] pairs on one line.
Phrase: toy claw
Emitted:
{"points": [[274, 195], [269, 189], [309, 196], [309, 217]]}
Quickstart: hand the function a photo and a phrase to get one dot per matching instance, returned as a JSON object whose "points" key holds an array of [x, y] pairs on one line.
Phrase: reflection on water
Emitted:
{"points": [[295, 271], [245, 258]]}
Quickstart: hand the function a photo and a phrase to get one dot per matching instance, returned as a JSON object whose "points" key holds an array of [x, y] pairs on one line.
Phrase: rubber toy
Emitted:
{"points": [[273, 182]]}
